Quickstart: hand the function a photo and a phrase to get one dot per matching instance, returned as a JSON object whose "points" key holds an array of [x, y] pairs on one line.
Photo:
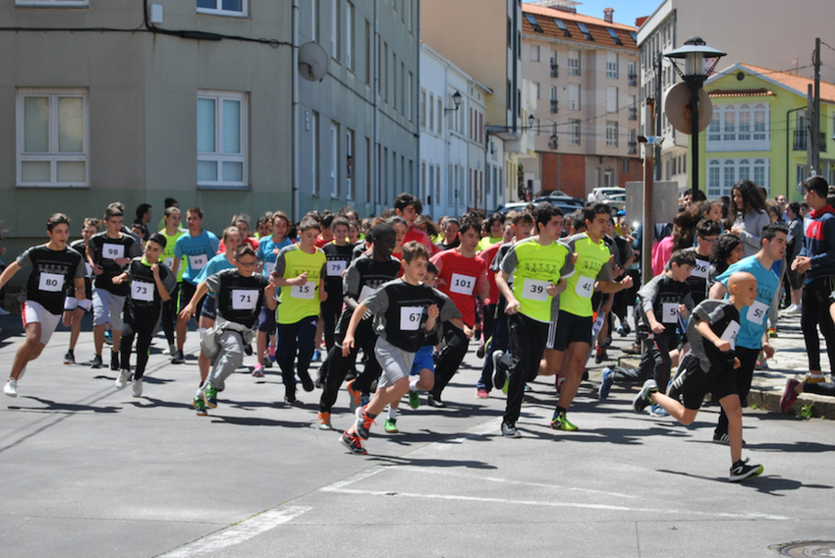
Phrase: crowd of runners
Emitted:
{"points": [[392, 304]]}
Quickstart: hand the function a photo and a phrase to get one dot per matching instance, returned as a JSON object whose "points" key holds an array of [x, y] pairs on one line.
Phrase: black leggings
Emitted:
{"points": [[815, 312], [744, 376], [450, 358], [169, 315], [330, 314], [143, 328], [338, 366]]}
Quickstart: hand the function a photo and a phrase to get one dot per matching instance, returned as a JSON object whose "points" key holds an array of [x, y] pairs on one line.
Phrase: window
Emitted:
{"points": [[314, 144], [423, 180], [408, 102], [585, 31], [431, 112], [221, 139], [574, 132], [625, 165], [334, 160], [554, 102], [394, 80], [367, 170], [634, 36], [561, 26], [612, 65], [574, 62], [611, 99], [53, 3], [534, 53], [407, 12], [632, 72], [368, 51], [534, 23], [335, 29], [614, 35], [52, 138], [573, 96], [218, 7], [423, 108], [611, 134], [437, 184], [349, 36], [314, 19], [743, 127], [440, 115], [722, 174], [349, 163], [555, 67]]}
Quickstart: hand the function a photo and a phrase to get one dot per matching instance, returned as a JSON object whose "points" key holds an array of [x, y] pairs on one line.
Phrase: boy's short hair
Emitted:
{"points": [[575, 220], [708, 227], [380, 231], [496, 217], [280, 215], [244, 250], [339, 221], [816, 184], [683, 257], [451, 221], [404, 200], [142, 209], [57, 219], [170, 210], [242, 218], [770, 231], [309, 223], [171, 202], [414, 249], [544, 212], [327, 220], [196, 211], [113, 211], [159, 239], [593, 209], [432, 268], [229, 230], [468, 223], [91, 222]]}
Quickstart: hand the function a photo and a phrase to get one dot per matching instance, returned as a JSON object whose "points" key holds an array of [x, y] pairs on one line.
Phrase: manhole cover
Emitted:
{"points": [[806, 548]]}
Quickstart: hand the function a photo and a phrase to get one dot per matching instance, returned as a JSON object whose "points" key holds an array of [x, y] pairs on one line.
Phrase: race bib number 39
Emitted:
{"points": [[198, 262], [535, 290], [757, 312], [461, 284], [585, 286], [112, 251], [410, 317], [670, 313], [244, 299], [306, 291], [336, 267], [139, 290], [51, 282]]}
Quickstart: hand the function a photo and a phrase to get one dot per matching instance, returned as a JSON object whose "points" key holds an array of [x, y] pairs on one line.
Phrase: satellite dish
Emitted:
{"points": [[313, 61], [677, 109]]}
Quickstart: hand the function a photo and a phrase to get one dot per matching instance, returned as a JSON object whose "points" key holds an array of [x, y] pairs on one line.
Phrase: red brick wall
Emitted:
{"points": [[564, 172], [635, 174]]}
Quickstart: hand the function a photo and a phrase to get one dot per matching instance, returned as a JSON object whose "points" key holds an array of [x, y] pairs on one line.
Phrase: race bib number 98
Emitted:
{"points": [[535, 290], [244, 299], [113, 251], [306, 291], [51, 282], [410, 317]]}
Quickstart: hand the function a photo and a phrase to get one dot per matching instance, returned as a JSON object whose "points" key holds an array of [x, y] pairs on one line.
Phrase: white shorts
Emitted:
{"points": [[32, 312], [396, 363], [71, 303], [107, 307]]}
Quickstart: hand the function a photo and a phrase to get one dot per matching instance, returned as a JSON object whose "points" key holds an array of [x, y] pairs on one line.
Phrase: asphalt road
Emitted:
{"points": [[91, 471]]}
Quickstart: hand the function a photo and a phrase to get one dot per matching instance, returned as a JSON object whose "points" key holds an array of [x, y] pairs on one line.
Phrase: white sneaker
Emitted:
{"points": [[792, 310], [136, 388], [122, 380], [10, 388]]}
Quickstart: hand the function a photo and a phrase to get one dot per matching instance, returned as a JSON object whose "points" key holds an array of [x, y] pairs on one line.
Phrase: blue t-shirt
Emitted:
{"points": [[753, 320], [218, 263], [196, 251], [267, 252]]}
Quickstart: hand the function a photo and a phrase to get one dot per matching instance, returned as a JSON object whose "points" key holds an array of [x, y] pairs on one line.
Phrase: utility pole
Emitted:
{"points": [[658, 70], [816, 122], [648, 231], [810, 130]]}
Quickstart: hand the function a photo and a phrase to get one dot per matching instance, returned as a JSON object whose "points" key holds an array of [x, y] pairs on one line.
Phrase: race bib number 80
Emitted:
{"points": [[410, 317], [51, 282]]}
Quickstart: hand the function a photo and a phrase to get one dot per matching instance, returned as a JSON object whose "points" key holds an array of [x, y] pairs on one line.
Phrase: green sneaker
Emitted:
{"points": [[390, 426], [560, 422], [506, 383], [414, 400], [210, 397], [199, 405]]}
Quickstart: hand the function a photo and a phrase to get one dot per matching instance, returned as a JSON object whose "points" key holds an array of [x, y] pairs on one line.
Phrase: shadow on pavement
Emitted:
{"points": [[65, 407], [417, 462], [765, 484]]}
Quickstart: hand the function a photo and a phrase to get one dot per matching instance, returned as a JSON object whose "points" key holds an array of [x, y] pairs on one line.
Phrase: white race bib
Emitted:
{"points": [[535, 290], [757, 312], [700, 270], [51, 282], [730, 333], [168, 261], [268, 268], [198, 262], [789, 238], [305, 291], [669, 313], [244, 299], [112, 251], [585, 286], [461, 284], [140, 290], [410, 317], [366, 292], [336, 267], [89, 269]]}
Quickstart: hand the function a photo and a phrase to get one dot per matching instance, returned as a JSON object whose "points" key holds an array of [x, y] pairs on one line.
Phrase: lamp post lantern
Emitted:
{"points": [[694, 53]]}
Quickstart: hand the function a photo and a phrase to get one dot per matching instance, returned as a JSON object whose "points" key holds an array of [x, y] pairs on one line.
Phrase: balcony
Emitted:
{"points": [[555, 70], [553, 142], [799, 143], [554, 106], [633, 113], [633, 147], [633, 80]]}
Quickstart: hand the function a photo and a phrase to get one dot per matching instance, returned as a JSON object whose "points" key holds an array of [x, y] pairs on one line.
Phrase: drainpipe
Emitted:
{"points": [[295, 124], [375, 93], [788, 145]]}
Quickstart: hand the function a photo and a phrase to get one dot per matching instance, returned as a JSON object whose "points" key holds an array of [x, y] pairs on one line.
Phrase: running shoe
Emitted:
{"points": [[482, 393], [199, 405], [414, 399], [178, 358], [365, 399], [479, 353], [69, 358], [528, 388], [510, 431], [561, 422], [97, 363], [390, 426], [353, 443], [789, 395], [271, 351], [258, 371], [114, 360], [741, 471], [657, 410], [248, 350], [600, 355], [10, 388], [605, 384], [307, 382], [324, 421], [210, 397], [354, 396], [123, 379], [435, 402], [136, 388], [316, 355], [363, 423], [290, 399], [108, 337], [772, 332], [793, 310], [499, 375], [172, 350], [266, 362], [814, 378], [642, 400], [633, 349]]}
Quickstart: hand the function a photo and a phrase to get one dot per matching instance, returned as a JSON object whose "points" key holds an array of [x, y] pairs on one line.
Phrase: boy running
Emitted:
{"points": [[75, 309], [268, 248]]}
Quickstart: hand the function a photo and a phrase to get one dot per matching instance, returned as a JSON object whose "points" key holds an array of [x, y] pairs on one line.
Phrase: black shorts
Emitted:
{"points": [[694, 383], [187, 291], [209, 308], [571, 329]]}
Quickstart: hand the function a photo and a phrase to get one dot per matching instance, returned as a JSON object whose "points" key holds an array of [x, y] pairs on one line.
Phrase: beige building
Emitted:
{"points": [[585, 72]]}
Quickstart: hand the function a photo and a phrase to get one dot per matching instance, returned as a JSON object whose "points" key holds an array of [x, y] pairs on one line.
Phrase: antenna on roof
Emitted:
{"points": [[562, 5]]}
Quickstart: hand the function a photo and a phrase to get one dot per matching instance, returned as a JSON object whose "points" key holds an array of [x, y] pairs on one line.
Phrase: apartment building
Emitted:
{"points": [[585, 71]]}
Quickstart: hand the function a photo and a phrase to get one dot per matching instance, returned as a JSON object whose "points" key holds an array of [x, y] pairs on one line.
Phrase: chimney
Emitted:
{"points": [[607, 15]]}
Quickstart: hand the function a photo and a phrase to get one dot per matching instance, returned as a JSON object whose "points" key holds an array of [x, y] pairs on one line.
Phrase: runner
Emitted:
{"points": [[150, 285], [172, 232], [108, 253], [75, 309], [338, 253], [409, 207], [197, 248], [54, 266]]}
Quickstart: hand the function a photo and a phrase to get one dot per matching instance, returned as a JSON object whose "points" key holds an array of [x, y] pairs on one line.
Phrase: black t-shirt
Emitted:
{"points": [[698, 278], [53, 271], [663, 295], [144, 295], [239, 298], [364, 276], [79, 247], [339, 258], [723, 318], [444, 247], [105, 251]]}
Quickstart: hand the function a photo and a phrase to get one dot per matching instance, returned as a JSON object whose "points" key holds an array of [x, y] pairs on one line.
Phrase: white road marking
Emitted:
{"points": [[238, 533]]}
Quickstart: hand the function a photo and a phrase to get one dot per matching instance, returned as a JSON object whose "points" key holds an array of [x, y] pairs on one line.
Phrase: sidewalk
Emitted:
{"points": [[789, 362]]}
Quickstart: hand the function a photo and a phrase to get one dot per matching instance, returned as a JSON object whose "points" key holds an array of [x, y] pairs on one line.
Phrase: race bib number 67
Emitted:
{"points": [[410, 317]]}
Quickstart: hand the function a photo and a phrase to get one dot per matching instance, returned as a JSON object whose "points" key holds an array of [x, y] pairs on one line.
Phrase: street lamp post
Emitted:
{"points": [[694, 53]]}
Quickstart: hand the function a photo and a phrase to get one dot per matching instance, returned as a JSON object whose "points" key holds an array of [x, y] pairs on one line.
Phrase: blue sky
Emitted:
{"points": [[625, 10]]}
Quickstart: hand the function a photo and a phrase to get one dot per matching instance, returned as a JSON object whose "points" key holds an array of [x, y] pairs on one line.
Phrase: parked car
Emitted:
{"points": [[561, 198], [602, 194], [520, 206]]}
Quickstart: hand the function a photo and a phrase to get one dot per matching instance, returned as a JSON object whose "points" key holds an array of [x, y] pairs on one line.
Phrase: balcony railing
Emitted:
{"points": [[555, 70], [554, 106], [633, 80], [633, 113], [633, 147], [799, 143]]}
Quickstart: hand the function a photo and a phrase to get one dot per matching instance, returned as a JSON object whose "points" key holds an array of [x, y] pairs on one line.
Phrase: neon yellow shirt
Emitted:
{"points": [[592, 265], [300, 301], [534, 266]]}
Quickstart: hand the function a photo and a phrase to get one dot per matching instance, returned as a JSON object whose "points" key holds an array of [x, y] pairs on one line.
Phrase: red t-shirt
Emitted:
{"points": [[321, 241], [488, 255], [461, 279], [221, 249], [420, 236]]}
